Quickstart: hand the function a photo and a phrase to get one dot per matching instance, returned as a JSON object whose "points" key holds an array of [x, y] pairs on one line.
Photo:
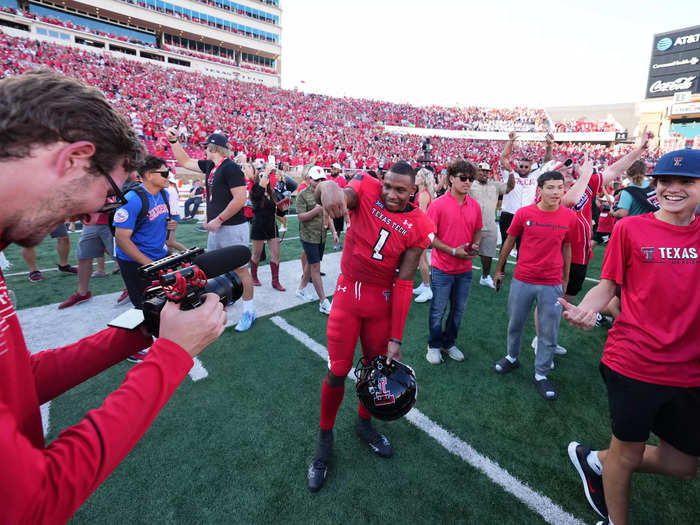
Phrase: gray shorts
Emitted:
{"points": [[487, 248], [95, 240], [59, 232], [236, 235]]}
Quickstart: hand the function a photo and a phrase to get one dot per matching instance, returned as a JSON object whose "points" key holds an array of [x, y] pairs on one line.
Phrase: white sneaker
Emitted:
{"points": [[534, 348], [419, 289], [281, 229], [310, 291], [559, 350], [325, 307], [455, 353], [487, 281], [301, 294], [425, 296], [434, 356]]}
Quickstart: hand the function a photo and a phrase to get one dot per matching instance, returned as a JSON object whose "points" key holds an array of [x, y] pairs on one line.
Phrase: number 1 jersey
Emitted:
{"points": [[377, 237]]}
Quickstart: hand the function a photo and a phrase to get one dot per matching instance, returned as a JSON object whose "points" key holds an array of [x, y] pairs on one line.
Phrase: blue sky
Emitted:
{"points": [[495, 53]]}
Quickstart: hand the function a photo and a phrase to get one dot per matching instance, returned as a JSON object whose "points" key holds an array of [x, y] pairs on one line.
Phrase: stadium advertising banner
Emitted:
{"points": [[675, 63]]}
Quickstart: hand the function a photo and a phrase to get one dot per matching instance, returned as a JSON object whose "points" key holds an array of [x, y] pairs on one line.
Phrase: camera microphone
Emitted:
{"points": [[223, 260]]}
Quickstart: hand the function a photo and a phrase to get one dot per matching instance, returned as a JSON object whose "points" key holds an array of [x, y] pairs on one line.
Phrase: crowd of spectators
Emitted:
{"points": [[582, 125], [298, 128]]}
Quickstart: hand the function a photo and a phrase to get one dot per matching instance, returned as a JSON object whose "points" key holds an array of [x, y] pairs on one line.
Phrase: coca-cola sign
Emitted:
{"points": [[678, 84]]}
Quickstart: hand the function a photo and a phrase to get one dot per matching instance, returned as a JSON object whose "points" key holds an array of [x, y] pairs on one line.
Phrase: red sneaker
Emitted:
{"points": [[74, 299], [123, 297], [36, 277]]}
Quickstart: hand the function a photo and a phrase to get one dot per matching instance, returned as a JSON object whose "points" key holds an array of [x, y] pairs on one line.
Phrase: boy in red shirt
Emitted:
{"points": [[542, 272], [651, 360]]}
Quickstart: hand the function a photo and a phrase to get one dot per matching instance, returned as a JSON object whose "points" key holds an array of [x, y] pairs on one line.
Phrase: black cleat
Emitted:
{"points": [[318, 469], [592, 482], [377, 442]]}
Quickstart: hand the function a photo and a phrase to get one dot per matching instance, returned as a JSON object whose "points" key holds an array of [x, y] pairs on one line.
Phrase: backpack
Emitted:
{"points": [[141, 217], [645, 197]]}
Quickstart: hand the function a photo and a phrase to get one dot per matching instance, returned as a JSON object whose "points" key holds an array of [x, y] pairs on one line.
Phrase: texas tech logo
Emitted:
{"points": [[677, 161], [381, 396], [648, 254]]}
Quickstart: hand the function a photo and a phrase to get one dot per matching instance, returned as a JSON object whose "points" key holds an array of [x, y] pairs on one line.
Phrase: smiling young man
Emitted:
{"points": [[63, 150], [540, 275], [651, 359], [458, 223], [371, 299]]}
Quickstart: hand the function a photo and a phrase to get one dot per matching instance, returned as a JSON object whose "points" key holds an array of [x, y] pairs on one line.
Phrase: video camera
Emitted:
{"points": [[184, 277]]}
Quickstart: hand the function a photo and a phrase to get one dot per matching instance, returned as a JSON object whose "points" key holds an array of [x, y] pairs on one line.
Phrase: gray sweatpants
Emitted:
{"points": [[520, 300]]}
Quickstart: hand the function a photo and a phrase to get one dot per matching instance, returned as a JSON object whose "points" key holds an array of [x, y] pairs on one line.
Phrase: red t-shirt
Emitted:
{"points": [[581, 248], [377, 237], [41, 484], [656, 338], [339, 180], [455, 225], [540, 260]]}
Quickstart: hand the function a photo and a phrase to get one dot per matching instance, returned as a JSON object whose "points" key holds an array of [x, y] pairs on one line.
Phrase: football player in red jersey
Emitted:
{"points": [[373, 294]]}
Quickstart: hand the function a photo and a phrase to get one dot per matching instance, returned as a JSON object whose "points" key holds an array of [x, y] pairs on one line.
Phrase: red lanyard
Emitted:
{"points": [[210, 180]]}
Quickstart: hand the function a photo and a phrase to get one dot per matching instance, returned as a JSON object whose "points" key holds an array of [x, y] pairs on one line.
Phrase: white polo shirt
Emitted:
{"points": [[522, 194]]}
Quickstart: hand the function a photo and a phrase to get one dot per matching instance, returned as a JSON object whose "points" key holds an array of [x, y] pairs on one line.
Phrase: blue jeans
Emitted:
{"points": [[452, 288]]}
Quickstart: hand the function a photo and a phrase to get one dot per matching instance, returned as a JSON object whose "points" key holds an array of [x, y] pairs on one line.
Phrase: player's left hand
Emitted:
{"points": [[578, 317], [393, 351], [172, 224]]}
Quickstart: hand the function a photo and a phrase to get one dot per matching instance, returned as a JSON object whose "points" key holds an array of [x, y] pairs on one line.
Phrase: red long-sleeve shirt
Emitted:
{"points": [[47, 484]]}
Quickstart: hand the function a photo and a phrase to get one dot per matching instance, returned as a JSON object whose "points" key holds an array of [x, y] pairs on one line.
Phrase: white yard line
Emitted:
{"points": [[45, 410], [542, 505]]}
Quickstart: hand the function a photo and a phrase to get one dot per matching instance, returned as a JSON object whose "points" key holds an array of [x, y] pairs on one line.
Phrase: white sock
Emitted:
{"points": [[511, 359], [594, 462], [538, 377], [248, 306]]}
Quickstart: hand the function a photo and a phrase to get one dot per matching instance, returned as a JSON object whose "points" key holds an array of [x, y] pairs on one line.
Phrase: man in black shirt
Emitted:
{"points": [[226, 195]]}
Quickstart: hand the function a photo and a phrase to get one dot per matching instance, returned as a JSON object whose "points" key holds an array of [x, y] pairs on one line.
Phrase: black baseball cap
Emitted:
{"points": [[217, 139]]}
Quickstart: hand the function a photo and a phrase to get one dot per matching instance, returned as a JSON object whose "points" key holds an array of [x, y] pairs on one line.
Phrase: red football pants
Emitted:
{"points": [[360, 311]]}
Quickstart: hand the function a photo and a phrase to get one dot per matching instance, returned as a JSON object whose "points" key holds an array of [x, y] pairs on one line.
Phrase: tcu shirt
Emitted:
{"points": [[656, 338], [377, 237]]}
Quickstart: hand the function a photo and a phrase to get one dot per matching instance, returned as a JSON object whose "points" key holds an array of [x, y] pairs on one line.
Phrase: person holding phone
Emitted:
{"points": [[458, 224]]}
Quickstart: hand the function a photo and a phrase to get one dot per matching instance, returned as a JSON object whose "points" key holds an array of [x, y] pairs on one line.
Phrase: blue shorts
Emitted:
{"points": [[313, 251]]}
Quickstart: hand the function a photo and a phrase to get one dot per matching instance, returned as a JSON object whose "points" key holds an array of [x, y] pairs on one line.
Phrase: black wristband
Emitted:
{"points": [[172, 141], [394, 340]]}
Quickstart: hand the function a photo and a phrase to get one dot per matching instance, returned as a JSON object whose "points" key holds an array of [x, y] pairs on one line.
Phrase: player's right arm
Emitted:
{"points": [[335, 201], [179, 152], [503, 161]]}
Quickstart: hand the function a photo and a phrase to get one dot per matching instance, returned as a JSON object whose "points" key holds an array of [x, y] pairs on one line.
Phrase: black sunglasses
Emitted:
{"points": [[117, 193], [465, 178], [163, 173]]}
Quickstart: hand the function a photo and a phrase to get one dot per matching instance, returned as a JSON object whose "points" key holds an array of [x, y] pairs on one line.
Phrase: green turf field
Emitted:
{"points": [[234, 447]]}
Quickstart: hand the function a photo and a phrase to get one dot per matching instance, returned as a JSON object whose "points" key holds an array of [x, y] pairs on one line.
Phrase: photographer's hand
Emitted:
{"points": [[195, 329]]}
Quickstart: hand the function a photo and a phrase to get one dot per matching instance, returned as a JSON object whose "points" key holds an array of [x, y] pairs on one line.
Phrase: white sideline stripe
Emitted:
{"points": [[198, 371], [42, 270], [542, 505], [45, 410]]}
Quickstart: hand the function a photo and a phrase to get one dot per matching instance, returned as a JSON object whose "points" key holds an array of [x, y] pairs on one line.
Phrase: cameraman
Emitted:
{"points": [[63, 150]]}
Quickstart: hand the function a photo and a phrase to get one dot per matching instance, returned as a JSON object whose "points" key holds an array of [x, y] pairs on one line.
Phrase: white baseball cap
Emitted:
{"points": [[317, 173], [484, 166]]}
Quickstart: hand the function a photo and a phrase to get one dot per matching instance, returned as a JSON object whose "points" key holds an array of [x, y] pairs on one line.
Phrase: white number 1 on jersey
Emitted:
{"points": [[379, 245]]}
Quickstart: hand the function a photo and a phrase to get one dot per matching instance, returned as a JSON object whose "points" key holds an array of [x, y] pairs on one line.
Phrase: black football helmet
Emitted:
{"points": [[387, 391]]}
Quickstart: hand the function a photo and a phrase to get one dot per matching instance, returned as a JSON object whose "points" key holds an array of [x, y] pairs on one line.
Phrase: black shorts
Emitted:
{"points": [[263, 229], [577, 274], [313, 251], [637, 408]]}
